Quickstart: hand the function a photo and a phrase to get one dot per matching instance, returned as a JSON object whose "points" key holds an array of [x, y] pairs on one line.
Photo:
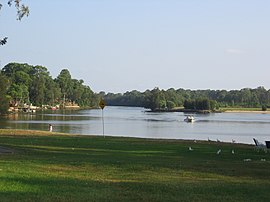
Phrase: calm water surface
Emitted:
{"points": [[136, 122]]}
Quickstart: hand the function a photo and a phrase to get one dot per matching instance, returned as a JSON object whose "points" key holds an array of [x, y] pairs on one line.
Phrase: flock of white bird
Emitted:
{"points": [[219, 150]]}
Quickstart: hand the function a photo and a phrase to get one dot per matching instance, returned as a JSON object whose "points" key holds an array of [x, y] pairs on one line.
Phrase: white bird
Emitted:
{"points": [[219, 151], [190, 149], [232, 151]]}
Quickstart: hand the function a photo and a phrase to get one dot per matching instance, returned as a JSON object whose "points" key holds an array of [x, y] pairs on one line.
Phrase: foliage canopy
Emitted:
{"points": [[34, 85], [192, 99]]}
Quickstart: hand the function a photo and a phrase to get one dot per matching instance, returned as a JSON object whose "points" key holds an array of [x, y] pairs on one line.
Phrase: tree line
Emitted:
{"points": [[23, 83], [191, 99], [27, 84]]}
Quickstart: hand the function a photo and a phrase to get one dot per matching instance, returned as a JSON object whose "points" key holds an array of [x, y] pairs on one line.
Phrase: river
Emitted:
{"points": [[136, 122]]}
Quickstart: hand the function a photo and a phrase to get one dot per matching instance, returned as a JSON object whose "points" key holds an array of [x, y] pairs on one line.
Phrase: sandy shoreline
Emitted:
{"points": [[240, 111]]}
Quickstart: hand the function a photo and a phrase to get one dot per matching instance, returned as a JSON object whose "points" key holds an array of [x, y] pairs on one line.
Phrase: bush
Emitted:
{"points": [[264, 108], [171, 105]]}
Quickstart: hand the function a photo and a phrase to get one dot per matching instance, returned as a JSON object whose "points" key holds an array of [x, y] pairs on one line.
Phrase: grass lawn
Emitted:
{"points": [[57, 167]]}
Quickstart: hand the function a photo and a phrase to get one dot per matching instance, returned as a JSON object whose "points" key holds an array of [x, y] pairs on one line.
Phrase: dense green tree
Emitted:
{"points": [[190, 104], [74, 90], [19, 93], [37, 90], [79, 93], [214, 105], [264, 108], [33, 84], [78, 90], [262, 95], [158, 99], [155, 99], [88, 98], [200, 104], [52, 92], [133, 98], [4, 100], [173, 97], [16, 71], [18, 75], [65, 83], [171, 104]]}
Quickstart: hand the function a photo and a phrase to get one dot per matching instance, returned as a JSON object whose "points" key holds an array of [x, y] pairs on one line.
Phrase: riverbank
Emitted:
{"points": [[180, 109], [225, 110], [58, 167], [245, 110]]}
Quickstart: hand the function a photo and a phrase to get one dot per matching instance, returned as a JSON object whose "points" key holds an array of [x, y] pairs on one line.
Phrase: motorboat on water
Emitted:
{"points": [[189, 119]]}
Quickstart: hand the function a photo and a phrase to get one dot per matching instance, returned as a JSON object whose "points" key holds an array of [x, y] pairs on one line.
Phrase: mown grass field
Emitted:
{"points": [[57, 167]]}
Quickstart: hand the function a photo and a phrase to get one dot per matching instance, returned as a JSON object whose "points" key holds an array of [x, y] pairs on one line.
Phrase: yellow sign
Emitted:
{"points": [[102, 103]]}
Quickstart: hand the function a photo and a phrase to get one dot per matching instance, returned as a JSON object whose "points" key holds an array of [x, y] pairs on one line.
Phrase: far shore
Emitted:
{"points": [[247, 111], [222, 110]]}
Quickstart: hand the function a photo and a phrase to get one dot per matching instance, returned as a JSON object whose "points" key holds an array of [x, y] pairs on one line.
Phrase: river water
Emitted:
{"points": [[136, 122]]}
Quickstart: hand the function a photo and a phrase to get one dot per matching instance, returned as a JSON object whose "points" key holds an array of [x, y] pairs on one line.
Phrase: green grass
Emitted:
{"points": [[88, 168]]}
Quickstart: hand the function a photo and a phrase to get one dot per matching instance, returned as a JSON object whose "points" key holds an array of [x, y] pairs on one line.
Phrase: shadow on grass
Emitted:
{"points": [[70, 189], [152, 154]]}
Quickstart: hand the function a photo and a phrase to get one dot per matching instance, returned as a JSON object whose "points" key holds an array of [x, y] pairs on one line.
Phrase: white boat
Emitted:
{"points": [[189, 119]]}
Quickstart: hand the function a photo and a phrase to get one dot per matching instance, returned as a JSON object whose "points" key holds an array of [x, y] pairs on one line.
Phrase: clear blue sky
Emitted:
{"points": [[122, 45]]}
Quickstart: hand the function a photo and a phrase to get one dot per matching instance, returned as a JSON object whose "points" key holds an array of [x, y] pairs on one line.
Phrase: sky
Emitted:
{"points": [[123, 45]]}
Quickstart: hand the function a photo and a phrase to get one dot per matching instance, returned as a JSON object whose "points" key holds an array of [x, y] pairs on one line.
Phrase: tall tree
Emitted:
{"points": [[4, 84], [77, 90], [53, 93], [64, 81], [18, 75], [38, 87], [33, 84], [155, 99]]}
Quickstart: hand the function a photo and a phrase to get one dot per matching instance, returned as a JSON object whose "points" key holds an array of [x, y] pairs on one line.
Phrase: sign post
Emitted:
{"points": [[102, 105]]}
